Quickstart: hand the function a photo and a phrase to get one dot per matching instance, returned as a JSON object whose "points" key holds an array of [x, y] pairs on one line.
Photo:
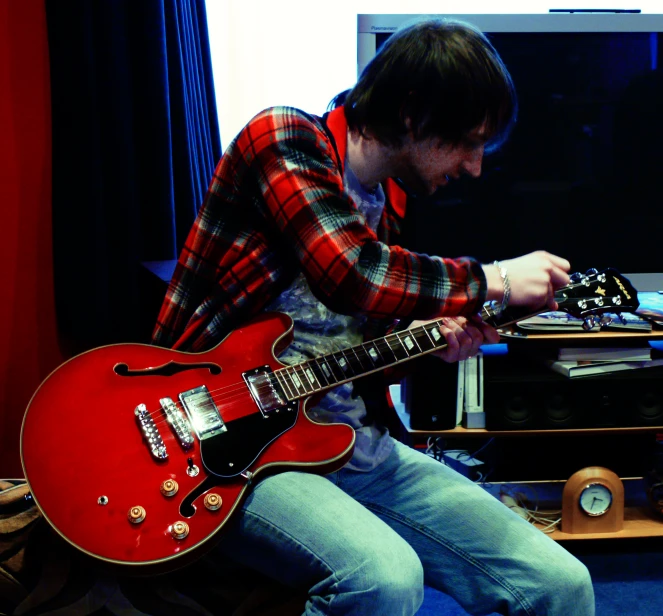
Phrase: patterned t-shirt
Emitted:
{"points": [[319, 331]]}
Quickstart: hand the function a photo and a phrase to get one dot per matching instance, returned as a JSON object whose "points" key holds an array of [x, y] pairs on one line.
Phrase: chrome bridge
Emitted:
{"points": [[150, 432], [178, 422]]}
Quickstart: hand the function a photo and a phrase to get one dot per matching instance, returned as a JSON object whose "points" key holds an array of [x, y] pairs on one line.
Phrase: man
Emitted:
{"points": [[303, 216]]}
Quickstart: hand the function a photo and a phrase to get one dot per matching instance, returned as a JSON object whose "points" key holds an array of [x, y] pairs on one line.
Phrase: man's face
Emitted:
{"points": [[427, 164]]}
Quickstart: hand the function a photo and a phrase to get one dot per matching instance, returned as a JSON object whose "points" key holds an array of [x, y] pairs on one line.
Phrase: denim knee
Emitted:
{"points": [[387, 582], [570, 590]]}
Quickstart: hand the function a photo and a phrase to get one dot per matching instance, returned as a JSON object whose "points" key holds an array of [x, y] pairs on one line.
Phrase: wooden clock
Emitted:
{"points": [[593, 502]]}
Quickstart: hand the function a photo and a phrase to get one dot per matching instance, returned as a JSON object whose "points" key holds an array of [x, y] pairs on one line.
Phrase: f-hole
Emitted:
{"points": [[169, 369]]}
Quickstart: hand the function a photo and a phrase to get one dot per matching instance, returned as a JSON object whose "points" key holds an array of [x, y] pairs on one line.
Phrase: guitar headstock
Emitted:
{"points": [[595, 293], [588, 297]]}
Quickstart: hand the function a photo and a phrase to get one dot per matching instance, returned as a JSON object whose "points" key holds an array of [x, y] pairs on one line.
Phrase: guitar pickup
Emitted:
{"points": [[202, 411], [266, 391]]}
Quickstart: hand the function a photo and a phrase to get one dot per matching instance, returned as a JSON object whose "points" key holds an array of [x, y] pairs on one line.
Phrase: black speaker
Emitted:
{"points": [[429, 394], [520, 395]]}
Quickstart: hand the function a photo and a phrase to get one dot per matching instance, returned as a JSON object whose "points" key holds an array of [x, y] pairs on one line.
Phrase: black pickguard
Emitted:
{"points": [[232, 452]]}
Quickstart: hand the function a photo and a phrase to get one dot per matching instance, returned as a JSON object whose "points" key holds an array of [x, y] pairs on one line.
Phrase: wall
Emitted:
{"points": [[303, 52], [29, 348]]}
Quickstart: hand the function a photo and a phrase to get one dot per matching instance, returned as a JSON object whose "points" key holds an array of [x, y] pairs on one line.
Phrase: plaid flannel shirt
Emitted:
{"points": [[277, 206]]}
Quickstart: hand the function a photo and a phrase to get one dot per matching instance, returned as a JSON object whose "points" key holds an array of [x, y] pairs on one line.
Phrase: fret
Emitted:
{"points": [[332, 363], [311, 376], [285, 385], [374, 355], [355, 360], [409, 343], [295, 381], [344, 369], [323, 371], [423, 339], [303, 382], [436, 336], [397, 347]]}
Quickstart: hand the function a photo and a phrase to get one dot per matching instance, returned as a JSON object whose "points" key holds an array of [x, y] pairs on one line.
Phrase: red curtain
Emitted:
{"points": [[29, 348]]}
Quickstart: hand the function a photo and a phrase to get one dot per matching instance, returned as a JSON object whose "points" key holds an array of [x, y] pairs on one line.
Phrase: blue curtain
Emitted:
{"points": [[135, 143]]}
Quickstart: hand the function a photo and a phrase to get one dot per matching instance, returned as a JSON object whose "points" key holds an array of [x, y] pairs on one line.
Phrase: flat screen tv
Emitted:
{"points": [[582, 173]]}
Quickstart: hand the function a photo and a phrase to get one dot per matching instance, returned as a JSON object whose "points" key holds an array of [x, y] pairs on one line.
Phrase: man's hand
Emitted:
{"points": [[534, 278], [464, 336]]}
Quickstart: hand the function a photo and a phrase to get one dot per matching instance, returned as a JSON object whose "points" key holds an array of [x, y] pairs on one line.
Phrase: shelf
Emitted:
{"points": [[638, 522]]}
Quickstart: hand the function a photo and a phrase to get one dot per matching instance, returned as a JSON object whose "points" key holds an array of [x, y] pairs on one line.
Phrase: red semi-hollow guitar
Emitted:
{"points": [[139, 455]]}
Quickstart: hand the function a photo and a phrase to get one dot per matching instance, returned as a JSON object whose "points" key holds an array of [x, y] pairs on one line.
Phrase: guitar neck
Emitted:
{"points": [[588, 295], [327, 371]]}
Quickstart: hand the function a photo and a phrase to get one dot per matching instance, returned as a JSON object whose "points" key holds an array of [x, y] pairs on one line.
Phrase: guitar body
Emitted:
{"points": [[95, 472]]}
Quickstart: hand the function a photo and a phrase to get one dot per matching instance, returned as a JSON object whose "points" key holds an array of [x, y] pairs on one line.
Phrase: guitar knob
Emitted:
{"points": [[169, 487], [179, 530], [136, 514], [212, 501]]}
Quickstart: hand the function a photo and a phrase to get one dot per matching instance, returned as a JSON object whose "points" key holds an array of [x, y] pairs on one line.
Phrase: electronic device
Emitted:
{"points": [[521, 394], [578, 176]]}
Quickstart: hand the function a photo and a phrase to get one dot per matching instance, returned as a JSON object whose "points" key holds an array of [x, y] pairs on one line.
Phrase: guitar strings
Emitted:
{"points": [[226, 396], [231, 393]]}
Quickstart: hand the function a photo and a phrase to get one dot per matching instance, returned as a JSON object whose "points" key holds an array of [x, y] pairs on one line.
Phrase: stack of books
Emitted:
{"points": [[587, 361]]}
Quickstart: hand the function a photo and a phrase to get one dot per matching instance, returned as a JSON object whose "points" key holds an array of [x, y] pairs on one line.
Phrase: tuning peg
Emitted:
{"points": [[622, 318], [592, 271], [576, 277], [589, 323], [605, 320]]}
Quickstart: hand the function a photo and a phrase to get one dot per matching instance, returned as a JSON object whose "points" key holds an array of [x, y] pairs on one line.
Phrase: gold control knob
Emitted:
{"points": [[212, 501], [169, 487], [179, 530], [136, 514]]}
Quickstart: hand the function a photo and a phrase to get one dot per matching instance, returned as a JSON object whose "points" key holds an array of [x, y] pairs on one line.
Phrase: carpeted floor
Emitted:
{"points": [[627, 575]]}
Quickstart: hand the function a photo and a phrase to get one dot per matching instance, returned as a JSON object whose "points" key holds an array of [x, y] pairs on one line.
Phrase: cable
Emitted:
{"points": [[516, 501]]}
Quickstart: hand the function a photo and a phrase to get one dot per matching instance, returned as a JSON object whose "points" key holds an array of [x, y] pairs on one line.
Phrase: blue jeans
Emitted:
{"points": [[365, 543]]}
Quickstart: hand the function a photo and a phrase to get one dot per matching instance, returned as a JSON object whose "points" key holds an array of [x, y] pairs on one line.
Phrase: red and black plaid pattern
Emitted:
{"points": [[277, 206]]}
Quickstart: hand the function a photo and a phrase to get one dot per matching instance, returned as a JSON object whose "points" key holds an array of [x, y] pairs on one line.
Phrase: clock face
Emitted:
{"points": [[595, 499]]}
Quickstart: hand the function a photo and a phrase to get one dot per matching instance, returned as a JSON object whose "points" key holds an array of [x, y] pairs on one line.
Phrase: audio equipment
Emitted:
{"points": [[520, 395]]}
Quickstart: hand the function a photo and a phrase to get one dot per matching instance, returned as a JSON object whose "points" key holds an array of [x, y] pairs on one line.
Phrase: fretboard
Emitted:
{"points": [[339, 367], [327, 371]]}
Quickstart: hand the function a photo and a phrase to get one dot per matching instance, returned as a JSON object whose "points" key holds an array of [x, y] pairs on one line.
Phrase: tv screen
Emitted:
{"points": [[580, 173]]}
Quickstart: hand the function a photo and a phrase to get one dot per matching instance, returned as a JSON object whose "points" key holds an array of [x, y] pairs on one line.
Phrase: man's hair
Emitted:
{"points": [[444, 75]]}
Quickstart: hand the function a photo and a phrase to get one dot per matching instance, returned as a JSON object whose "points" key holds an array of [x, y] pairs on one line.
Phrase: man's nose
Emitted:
{"points": [[472, 163]]}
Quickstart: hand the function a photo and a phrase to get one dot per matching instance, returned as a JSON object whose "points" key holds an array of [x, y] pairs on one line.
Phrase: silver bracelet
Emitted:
{"points": [[506, 284]]}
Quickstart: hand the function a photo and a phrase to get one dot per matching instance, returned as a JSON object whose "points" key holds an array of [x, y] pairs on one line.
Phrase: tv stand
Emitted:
{"points": [[639, 519]]}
